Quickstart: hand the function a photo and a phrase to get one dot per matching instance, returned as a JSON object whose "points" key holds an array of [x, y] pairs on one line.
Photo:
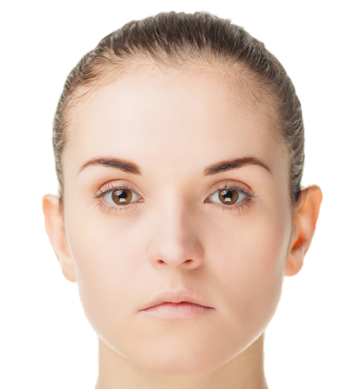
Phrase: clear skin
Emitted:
{"points": [[176, 234]]}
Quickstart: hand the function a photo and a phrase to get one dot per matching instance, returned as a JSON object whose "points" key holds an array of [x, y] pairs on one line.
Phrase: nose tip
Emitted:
{"points": [[183, 253], [176, 244]]}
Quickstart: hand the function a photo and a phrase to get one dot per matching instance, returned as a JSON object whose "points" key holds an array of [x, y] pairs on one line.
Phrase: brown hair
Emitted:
{"points": [[184, 41]]}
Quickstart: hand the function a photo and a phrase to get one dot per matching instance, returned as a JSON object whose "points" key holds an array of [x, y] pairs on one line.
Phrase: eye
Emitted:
{"points": [[228, 196], [122, 196]]}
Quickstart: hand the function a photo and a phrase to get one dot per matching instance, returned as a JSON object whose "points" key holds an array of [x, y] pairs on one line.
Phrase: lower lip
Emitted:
{"points": [[176, 311]]}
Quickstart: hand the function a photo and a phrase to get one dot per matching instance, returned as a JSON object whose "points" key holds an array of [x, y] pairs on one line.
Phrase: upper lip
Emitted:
{"points": [[183, 295]]}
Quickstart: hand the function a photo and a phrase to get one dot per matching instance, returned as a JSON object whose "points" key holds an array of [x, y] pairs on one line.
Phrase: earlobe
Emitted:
{"points": [[55, 231], [306, 216]]}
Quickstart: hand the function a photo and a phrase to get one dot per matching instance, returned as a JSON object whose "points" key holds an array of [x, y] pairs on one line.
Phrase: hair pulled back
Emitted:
{"points": [[182, 40]]}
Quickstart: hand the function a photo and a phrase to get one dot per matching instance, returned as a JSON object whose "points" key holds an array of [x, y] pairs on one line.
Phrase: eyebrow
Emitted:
{"points": [[235, 163], [215, 168]]}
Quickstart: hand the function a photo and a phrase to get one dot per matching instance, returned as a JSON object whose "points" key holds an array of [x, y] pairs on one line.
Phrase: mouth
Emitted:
{"points": [[182, 310], [182, 304]]}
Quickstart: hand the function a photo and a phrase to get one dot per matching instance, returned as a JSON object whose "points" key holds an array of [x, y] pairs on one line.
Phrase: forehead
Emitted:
{"points": [[172, 119]]}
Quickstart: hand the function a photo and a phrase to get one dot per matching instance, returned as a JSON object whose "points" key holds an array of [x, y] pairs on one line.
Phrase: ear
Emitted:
{"points": [[55, 231], [304, 225]]}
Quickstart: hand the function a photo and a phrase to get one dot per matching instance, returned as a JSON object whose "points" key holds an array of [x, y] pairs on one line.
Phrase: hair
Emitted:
{"points": [[185, 41]]}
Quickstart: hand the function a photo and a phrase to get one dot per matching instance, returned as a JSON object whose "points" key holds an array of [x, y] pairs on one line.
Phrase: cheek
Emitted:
{"points": [[104, 260], [250, 267]]}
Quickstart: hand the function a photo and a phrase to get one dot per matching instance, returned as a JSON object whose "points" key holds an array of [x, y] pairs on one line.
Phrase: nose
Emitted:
{"points": [[174, 239]]}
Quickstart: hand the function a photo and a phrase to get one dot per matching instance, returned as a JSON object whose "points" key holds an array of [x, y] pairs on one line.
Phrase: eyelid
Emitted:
{"points": [[115, 185], [228, 184]]}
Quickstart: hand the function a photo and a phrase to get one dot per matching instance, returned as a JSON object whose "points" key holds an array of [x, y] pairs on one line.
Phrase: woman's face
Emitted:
{"points": [[180, 228]]}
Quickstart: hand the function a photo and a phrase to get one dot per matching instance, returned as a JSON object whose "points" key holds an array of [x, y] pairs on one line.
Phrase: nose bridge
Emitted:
{"points": [[175, 237]]}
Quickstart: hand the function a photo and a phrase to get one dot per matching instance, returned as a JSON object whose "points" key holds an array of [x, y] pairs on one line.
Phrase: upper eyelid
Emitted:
{"points": [[112, 188], [237, 186]]}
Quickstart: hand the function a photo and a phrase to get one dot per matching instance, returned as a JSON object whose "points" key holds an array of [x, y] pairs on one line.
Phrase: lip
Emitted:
{"points": [[180, 311], [176, 297]]}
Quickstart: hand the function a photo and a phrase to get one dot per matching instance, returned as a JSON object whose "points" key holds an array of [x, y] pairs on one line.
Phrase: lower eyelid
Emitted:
{"points": [[108, 208], [228, 209], [240, 207]]}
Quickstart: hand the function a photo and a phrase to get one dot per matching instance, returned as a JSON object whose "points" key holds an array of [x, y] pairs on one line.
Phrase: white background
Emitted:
{"points": [[46, 341]]}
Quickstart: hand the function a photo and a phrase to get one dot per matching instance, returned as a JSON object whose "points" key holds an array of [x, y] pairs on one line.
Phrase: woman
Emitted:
{"points": [[179, 148]]}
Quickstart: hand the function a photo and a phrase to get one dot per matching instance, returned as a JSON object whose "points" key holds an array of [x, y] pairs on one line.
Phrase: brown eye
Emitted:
{"points": [[121, 196], [228, 196]]}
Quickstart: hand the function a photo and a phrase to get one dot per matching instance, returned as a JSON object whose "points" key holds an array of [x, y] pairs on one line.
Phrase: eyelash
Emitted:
{"points": [[130, 207]]}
